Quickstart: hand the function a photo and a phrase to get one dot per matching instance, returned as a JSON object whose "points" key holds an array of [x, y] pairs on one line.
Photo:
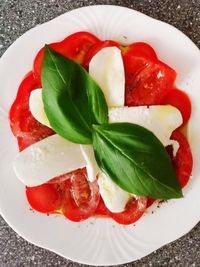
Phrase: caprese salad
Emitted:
{"points": [[99, 129]]}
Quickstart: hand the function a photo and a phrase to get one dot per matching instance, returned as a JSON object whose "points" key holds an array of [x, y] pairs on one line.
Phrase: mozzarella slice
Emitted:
{"points": [[113, 196], [92, 167], [46, 159], [161, 120], [107, 69], [37, 107]]}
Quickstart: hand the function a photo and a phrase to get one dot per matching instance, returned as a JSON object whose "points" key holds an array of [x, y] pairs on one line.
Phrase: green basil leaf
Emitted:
{"points": [[72, 99], [136, 160]]}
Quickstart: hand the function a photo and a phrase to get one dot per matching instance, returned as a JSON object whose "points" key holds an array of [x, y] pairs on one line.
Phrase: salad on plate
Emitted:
{"points": [[100, 129]]}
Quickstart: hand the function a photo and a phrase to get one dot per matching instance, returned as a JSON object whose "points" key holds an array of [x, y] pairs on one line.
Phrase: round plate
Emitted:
{"points": [[100, 241]]}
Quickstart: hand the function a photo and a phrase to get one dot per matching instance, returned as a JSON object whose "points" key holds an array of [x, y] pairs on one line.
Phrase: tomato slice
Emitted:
{"points": [[139, 49], [183, 161], [147, 78], [75, 47], [19, 106], [46, 198], [24, 126], [147, 82], [96, 48], [181, 101], [135, 208], [81, 197]]}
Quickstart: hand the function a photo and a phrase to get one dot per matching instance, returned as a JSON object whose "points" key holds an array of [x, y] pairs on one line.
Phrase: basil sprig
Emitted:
{"points": [[72, 99], [136, 160], [129, 154]]}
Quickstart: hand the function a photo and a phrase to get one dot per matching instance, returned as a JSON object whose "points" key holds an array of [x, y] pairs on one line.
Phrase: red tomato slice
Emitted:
{"points": [[19, 106], [75, 47], [181, 101], [140, 49], [135, 208], [183, 161], [95, 49], [81, 197], [24, 126], [147, 82], [45, 198], [147, 78]]}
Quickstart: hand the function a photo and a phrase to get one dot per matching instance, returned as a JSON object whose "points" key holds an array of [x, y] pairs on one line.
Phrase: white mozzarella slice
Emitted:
{"points": [[107, 69], [92, 167], [113, 196], [161, 120], [46, 159], [37, 107]]}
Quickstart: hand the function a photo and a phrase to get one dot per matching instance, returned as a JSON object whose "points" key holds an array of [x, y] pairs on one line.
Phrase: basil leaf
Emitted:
{"points": [[72, 99], [136, 160]]}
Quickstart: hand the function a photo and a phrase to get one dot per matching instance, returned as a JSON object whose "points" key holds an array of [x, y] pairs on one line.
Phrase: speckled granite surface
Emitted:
{"points": [[16, 17]]}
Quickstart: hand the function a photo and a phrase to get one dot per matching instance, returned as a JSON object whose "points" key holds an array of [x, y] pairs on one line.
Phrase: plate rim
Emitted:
{"points": [[1, 62]]}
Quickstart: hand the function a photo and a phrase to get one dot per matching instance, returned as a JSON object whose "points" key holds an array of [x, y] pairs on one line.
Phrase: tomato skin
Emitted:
{"points": [[23, 125], [20, 104], [135, 208], [181, 101], [183, 160], [75, 47], [96, 48], [46, 198], [139, 49], [81, 197]]}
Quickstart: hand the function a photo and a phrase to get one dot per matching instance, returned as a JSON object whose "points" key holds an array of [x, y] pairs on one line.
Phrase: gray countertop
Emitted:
{"points": [[16, 17]]}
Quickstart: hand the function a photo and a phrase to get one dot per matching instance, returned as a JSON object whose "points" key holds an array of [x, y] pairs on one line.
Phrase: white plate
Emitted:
{"points": [[100, 241]]}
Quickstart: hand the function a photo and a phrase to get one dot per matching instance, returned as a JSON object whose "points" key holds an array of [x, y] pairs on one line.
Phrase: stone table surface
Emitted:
{"points": [[16, 17]]}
